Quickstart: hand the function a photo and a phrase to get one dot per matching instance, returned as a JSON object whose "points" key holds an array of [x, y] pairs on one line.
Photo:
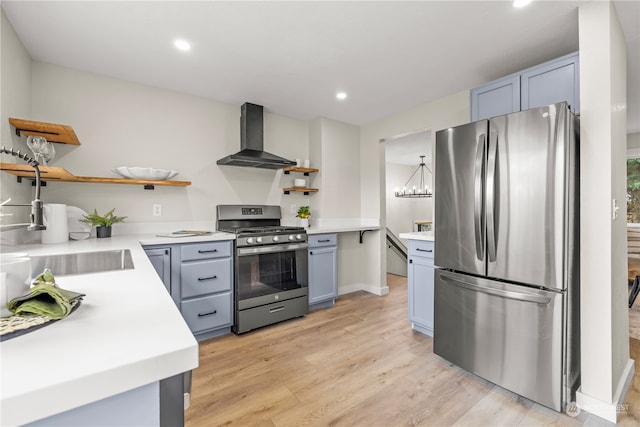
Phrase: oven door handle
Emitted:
{"points": [[270, 249]]}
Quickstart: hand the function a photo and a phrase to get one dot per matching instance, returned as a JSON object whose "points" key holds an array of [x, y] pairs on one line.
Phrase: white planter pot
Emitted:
{"points": [[303, 222]]}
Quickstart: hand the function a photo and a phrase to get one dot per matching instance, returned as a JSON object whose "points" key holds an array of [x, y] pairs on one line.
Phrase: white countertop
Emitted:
{"points": [[126, 333], [418, 235]]}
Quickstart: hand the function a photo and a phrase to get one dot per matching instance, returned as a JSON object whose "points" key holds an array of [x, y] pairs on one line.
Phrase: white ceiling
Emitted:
{"points": [[293, 56]]}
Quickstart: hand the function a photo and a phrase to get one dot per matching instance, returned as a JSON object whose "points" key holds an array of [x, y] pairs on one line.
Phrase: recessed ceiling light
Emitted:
{"points": [[182, 45], [341, 95], [521, 3]]}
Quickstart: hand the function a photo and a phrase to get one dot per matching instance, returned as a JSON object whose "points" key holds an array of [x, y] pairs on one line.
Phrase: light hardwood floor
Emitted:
{"points": [[358, 364]]}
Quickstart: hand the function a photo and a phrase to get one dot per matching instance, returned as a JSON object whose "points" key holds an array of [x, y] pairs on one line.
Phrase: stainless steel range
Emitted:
{"points": [[271, 267]]}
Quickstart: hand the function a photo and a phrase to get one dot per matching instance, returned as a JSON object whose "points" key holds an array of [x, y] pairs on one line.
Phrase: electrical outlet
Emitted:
{"points": [[293, 208], [157, 210]]}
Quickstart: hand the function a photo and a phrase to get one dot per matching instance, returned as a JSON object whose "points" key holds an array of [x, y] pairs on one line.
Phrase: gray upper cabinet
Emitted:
{"points": [[553, 81], [496, 98]]}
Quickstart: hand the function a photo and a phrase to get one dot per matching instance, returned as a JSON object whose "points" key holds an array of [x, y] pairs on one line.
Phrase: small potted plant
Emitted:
{"points": [[304, 214], [102, 223]]}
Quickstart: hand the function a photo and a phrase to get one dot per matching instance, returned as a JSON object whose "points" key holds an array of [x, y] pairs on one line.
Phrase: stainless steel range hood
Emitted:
{"points": [[251, 153]]}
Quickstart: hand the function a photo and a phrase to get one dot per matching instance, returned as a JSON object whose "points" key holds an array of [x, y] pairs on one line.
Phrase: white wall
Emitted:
{"points": [[446, 112], [604, 315], [336, 147], [121, 123], [15, 87]]}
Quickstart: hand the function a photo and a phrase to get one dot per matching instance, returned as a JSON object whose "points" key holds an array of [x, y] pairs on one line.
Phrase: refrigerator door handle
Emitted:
{"points": [[479, 197], [491, 196], [520, 296]]}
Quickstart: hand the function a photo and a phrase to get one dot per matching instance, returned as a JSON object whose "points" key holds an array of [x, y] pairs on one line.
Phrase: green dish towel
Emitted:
{"points": [[45, 299]]}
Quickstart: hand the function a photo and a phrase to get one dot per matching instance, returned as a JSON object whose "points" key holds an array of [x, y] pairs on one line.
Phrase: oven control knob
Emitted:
{"points": [[292, 237], [250, 240], [299, 236], [258, 239], [276, 238]]}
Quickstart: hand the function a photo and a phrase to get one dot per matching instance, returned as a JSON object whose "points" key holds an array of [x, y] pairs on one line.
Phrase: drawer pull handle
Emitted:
{"points": [[276, 309], [200, 251], [324, 241], [207, 314], [310, 253], [424, 250], [201, 279]]}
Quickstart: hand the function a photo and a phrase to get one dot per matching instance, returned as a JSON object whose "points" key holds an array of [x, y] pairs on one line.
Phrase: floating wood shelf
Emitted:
{"points": [[304, 190], [305, 171], [51, 173], [53, 132]]}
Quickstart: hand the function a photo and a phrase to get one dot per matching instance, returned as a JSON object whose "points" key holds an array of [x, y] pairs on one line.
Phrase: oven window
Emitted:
{"points": [[269, 273]]}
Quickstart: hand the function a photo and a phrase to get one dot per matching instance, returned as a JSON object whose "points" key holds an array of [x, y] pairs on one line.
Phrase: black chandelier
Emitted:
{"points": [[422, 190]]}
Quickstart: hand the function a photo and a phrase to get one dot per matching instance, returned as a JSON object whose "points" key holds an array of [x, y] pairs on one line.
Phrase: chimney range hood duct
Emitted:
{"points": [[251, 153]]}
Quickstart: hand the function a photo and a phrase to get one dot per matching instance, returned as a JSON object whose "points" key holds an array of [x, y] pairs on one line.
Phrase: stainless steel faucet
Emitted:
{"points": [[36, 205]]}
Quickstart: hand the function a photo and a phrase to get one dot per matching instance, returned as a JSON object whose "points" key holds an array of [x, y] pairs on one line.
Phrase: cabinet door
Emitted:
{"points": [[161, 260], [551, 82], [421, 293], [496, 98], [323, 277]]}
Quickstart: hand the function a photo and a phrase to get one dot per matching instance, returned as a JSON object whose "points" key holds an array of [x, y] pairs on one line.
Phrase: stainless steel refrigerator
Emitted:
{"points": [[506, 251]]}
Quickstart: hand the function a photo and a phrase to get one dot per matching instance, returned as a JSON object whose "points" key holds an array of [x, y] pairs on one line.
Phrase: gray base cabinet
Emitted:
{"points": [[553, 81], [323, 274], [199, 277], [420, 284]]}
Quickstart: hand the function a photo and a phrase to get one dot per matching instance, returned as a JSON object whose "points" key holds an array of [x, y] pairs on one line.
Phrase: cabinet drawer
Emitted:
{"points": [[205, 250], [207, 312], [421, 248], [319, 240], [205, 277]]}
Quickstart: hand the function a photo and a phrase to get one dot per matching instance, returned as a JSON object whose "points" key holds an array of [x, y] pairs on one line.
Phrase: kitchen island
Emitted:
{"points": [[107, 359]]}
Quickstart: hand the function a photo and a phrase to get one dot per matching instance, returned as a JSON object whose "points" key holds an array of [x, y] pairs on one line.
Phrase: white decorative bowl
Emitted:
{"points": [[145, 173]]}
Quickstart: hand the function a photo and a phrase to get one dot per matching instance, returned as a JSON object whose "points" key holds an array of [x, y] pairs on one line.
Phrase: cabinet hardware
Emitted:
{"points": [[206, 252], [207, 314], [424, 250], [324, 241], [207, 278]]}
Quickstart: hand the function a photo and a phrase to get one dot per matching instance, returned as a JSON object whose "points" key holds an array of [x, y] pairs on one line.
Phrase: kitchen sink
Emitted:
{"points": [[83, 262]]}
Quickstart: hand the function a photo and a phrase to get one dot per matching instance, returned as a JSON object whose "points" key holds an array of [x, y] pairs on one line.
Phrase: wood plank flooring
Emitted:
{"points": [[358, 364]]}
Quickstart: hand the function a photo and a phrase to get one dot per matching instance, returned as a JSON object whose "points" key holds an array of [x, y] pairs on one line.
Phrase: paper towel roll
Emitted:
{"points": [[55, 219]]}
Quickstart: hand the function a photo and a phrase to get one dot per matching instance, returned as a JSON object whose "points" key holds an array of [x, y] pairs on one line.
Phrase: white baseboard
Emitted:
{"points": [[363, 287], [606, 410]]}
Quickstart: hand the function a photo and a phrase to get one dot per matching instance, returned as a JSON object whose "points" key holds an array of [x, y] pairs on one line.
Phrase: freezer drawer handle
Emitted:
{"points": [[207, 278], [207, 314], [276, 309], [520, 296], [424, 250]]}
